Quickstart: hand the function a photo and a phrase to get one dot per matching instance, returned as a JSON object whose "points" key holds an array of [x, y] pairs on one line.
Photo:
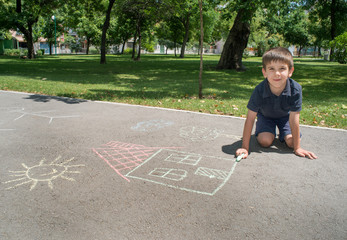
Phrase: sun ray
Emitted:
{"points": [[50, 184], [42, 161], [19, 184], [67, 178], [15, 180], [67, 161], [17, 175], [25, 166], [17, 171], [80, 165], [72, 171], [33, 185], [55, 160]]}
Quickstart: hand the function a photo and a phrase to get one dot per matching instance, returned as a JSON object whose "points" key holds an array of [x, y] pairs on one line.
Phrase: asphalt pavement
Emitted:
{"points": [[74, 169]]}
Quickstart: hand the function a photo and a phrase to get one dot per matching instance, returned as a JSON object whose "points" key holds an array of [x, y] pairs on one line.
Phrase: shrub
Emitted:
{"points": [[339, 44], [12, 52], [128, 51]]}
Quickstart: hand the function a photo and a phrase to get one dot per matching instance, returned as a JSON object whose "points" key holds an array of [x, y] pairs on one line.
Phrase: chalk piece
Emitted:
{"points": [[238, 159]]}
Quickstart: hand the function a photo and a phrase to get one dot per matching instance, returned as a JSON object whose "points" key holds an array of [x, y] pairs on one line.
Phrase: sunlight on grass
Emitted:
{"points": [[166, 81]]}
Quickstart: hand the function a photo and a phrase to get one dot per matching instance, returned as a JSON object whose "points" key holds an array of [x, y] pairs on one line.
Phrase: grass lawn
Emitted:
{"points": [[169, 82]]}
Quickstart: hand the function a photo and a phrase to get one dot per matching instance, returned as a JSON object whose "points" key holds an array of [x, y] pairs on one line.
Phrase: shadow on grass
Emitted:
{"points": [[167, 76]]}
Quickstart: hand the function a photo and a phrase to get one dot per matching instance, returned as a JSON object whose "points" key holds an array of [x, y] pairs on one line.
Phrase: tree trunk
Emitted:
{"points": [[50, 48], [333, 26], [175, 47], [231, 57], [28, 33], [134, 46], [201, 49], [186, 35], [104, 31], [139, 51], [88, 44], [123, 46]]}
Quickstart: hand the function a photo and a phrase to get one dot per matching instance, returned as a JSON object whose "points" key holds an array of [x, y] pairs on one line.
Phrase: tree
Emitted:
{"points": [[143, 15], [47, 30], [296, 28], [231, 57], [201, 48], [23, 15], [330, 16], [170, 33], [104, 32]]}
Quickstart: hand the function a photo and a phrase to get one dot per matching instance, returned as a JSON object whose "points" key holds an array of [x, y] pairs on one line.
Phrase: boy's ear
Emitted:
{"points": [[264, 72], [291, 71]]}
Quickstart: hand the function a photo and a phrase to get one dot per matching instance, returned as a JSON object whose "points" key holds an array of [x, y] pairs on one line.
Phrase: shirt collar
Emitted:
{"points": [[267, 91]]}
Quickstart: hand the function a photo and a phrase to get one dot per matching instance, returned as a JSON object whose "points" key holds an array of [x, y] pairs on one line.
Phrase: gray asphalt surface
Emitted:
{"points": [[75, 169]]}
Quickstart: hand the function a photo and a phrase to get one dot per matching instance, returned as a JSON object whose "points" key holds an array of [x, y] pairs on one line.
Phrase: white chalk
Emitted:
{"points": [[238, 159]]}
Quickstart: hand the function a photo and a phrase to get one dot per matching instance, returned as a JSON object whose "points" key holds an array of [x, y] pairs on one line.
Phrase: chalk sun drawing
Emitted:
{"points": [[43, 172]]}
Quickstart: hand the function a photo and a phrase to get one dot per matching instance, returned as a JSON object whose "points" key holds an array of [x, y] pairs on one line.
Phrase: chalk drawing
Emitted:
{"points": [[122, 157], [184, 158], [43, 172], [169, 173], [212, 173], [8, 109], [151, 125], [43, 114], [204, 134], [207, 178]]}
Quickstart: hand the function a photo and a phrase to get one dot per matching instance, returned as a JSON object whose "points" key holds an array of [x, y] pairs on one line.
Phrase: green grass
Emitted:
{"points": [[170, 82]]}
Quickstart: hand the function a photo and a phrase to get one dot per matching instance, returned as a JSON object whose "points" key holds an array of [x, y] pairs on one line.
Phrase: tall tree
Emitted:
{"points": [[143, 15], [23, 15], [201, 48], [104, 32], [330, 16], [231, 57]]}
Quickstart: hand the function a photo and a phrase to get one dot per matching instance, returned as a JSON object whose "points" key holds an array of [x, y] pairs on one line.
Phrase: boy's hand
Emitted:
{"points": [[240, 151], [304, 153]]}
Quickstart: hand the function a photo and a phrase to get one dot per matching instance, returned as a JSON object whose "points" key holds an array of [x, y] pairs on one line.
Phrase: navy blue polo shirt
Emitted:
{"points": [[269, 105]]}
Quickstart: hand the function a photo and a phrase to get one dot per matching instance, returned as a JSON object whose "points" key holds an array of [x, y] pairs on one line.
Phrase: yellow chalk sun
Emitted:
{"points": [[43, 172]]}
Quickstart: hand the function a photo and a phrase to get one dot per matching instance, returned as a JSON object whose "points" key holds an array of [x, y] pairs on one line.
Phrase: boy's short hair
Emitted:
{"points": [[278, 54]]}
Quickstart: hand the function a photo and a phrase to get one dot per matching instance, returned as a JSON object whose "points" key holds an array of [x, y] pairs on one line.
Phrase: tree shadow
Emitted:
{"points": [[45, 98], [254, 146]]}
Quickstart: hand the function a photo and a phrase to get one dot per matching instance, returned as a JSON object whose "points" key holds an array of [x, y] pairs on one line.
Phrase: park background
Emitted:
{"points": [[236, 34]]}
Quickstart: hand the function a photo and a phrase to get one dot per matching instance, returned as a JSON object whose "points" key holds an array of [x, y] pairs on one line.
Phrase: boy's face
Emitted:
{"points": [[277, 74]]}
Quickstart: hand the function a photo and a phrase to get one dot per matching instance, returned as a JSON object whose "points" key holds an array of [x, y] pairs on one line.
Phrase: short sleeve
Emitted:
{"points": [[253, 103], [296, 99]]}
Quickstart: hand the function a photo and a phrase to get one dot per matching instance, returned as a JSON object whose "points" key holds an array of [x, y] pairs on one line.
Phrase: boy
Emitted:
{"points": [[275, 102]]}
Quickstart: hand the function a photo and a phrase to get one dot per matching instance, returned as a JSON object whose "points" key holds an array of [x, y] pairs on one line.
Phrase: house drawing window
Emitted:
{"points": [[169, 173], [212, 173], [184, 159]]}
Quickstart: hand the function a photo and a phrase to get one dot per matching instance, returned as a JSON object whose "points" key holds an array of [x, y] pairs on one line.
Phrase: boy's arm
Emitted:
{"points": [[294, 118], [247, 131]]}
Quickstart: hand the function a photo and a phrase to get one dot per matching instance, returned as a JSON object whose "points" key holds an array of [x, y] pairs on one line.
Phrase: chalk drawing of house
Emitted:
{"points": [[186, 171]]}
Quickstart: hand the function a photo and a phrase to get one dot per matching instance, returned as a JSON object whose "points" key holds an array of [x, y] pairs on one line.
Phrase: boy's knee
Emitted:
{"points": [[289, 141], [265, 139]]}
